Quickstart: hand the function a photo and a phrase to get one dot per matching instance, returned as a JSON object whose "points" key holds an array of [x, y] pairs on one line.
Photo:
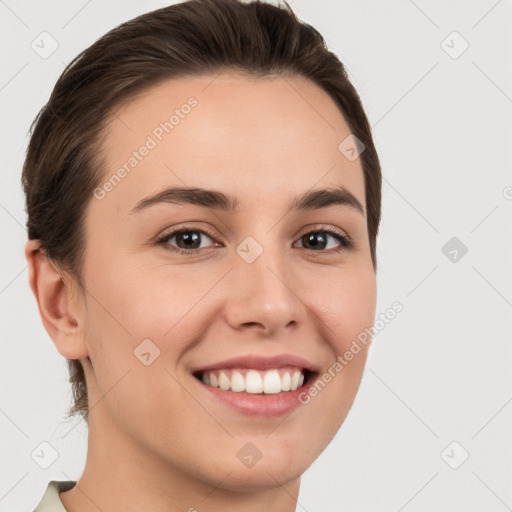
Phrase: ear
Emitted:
{"points": [[61, 310]]}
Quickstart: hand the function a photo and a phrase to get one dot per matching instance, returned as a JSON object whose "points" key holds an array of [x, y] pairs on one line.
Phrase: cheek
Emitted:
{"points": [[345, 304], [345, 308], [138, 301], [155, 310], [134, 361]]}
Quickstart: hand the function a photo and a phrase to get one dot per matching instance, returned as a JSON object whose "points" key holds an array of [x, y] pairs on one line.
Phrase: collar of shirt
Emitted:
{"points": [[51, 500]]}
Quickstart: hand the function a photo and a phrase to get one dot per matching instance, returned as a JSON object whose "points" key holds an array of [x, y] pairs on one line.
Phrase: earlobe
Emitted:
{"points": [[59, 313]]}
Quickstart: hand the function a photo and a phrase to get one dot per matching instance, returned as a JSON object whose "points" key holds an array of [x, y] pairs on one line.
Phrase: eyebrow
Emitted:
{"points": [[311, 200]]}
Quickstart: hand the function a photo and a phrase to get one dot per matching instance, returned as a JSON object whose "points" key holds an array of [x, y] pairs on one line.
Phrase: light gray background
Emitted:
{"points": [[440, 371]]}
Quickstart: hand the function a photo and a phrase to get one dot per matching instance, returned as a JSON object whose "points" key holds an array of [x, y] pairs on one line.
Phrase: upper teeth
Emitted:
{"points": [[255, 381]]}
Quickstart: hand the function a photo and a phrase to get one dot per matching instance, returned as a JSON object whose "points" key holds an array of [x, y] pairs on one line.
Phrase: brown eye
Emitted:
{"points": [[187, 241], [320, 241]]}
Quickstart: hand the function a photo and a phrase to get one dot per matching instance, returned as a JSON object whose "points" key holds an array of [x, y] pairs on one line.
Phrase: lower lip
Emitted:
{"points": [[259, 404]]}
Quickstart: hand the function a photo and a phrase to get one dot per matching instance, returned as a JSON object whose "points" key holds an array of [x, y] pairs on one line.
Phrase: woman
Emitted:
{"points": [[203, 198]]}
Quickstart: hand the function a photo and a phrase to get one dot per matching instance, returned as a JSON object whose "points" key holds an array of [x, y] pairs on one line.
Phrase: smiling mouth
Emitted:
{"points": [[252, 381]]}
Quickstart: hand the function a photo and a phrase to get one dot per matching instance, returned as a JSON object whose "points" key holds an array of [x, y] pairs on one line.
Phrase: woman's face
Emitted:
{"points": [[264, 279]]}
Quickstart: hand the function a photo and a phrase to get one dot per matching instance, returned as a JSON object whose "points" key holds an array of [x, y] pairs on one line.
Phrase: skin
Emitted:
{"points": [[156, 440]]}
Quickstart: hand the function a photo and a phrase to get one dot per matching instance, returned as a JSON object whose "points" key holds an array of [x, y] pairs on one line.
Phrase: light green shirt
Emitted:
{"points": [[51, 500]]}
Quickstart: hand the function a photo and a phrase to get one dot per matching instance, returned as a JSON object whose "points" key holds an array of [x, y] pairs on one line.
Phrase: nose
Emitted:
{"points": [[264, 296]]}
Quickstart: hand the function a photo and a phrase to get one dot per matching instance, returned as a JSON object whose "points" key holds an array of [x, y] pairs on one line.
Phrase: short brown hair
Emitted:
{"points": [[63, 164]]}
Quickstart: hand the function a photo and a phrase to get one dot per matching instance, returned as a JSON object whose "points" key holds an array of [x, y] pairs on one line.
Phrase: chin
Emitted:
{"points": [[260, 477], [259, 463]]}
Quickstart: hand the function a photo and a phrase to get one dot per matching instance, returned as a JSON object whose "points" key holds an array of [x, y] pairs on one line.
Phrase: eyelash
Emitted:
{"points": [[345, 242]]}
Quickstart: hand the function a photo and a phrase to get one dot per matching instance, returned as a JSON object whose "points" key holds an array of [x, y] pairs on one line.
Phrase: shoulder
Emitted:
{"points": [[51, 502]]}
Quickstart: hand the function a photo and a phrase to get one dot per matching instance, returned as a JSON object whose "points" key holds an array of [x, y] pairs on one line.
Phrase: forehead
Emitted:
{"points": [[249, 136]]}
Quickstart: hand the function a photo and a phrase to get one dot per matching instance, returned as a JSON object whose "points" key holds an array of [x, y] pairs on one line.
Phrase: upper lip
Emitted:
{"points": [[259, 362]]}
